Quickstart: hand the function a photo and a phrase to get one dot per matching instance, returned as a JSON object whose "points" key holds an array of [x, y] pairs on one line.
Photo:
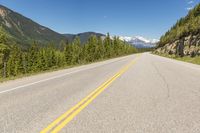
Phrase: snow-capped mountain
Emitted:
{"points": [[140, 42]]}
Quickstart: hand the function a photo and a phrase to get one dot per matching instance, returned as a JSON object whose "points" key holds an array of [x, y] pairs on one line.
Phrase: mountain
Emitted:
{"points": [[24, 31], [140, 42], [183, 38], [83, 36]]}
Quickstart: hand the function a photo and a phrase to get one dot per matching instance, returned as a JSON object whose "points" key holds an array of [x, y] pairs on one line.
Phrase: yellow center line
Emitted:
{"points": [[64, 119]]}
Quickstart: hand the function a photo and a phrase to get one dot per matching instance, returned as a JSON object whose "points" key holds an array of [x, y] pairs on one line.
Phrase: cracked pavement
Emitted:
{"points": [[156, 95]]}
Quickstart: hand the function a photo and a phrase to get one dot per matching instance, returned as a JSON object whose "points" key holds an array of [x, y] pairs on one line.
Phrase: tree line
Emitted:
{"points": [[15, 61]]}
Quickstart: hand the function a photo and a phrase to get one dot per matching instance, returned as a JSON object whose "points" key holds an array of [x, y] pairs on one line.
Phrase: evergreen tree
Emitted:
{"points": [[33, 55], [92, 49], [76, 51], [107, 43], [14, 61], [101, 49]]}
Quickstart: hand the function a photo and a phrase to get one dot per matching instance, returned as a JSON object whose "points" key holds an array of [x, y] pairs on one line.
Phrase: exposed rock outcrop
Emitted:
{"points": [[187, 46]]}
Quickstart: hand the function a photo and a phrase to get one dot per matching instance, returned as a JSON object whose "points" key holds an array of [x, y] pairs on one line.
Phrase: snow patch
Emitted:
{"points": [[140, 41]]}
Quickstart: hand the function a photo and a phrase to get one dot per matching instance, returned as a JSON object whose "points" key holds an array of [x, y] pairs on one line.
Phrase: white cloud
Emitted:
{"points": [[189, 8], [190, 2]]}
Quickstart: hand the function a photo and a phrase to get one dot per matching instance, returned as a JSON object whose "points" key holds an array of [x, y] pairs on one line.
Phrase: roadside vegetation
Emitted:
{"points": [[193, 60], [182, 41], [15, 62], [142, 50]]}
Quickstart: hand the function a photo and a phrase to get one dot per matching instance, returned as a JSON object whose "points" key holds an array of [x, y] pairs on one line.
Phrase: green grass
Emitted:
{"points": [[193, 60]]}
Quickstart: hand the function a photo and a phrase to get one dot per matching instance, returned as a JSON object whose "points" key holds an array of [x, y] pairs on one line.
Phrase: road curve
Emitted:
{"points": [[147, 94]]}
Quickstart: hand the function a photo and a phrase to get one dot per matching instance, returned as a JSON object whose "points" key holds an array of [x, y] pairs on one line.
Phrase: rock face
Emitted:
{"points": [[2, 13], [187, 46]]}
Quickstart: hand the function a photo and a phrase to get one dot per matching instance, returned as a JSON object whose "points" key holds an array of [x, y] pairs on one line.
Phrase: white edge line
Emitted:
{"points": [[55, 77], [179, 62]]}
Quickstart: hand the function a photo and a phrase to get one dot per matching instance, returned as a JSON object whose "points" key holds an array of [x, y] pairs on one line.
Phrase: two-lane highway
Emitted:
{"points": [[137, 93]]}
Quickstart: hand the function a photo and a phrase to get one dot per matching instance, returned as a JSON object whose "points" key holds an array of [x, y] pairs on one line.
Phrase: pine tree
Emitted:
{"points": [[4, 52], [101, 49], [68, 54], [92, 49], [33, 54], [76, 51], [107, 43]]}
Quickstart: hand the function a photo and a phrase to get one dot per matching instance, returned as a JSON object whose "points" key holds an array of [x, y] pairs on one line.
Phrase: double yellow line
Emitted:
{"points": [[64, 119]]}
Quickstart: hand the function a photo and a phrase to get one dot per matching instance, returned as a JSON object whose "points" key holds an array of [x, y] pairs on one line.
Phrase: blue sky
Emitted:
{"points": [[148, 18]]}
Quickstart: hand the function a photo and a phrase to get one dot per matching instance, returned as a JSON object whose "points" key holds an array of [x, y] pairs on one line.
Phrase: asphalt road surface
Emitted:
{"points": [[133, 94]]}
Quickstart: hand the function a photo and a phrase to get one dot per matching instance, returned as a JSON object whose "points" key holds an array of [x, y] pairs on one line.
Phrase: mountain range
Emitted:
{"points": [[83, 36], [25, 31], [140, 42]]}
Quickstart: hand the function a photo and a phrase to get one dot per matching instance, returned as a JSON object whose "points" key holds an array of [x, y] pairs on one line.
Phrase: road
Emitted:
{"points": [[133, 94]]}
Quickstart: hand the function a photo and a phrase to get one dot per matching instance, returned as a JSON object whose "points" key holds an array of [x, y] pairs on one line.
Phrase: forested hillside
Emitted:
{"points": [[184, 27], [83, 36], [24, 30], [183, 39], [15, 61]]}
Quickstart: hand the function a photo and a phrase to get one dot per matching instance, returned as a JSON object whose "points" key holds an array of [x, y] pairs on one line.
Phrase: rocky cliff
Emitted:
{"points": [[186, 46]]}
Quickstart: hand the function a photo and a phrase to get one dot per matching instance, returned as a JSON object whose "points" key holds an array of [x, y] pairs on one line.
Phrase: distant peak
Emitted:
{"points": [[140, 41], [3, 11], [141, 38]]}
